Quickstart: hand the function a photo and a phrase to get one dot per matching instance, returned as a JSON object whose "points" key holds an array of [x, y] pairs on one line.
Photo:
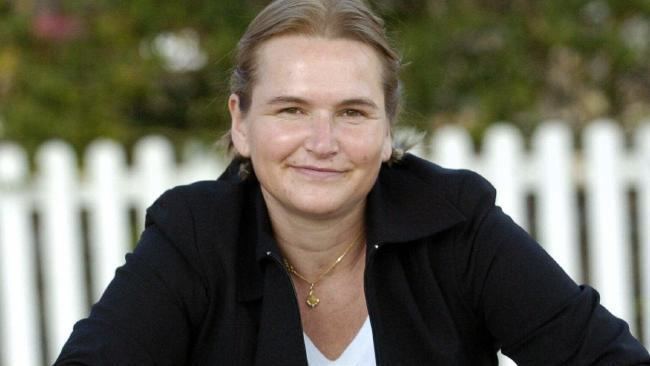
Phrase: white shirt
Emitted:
{"points": [[360, 352]]}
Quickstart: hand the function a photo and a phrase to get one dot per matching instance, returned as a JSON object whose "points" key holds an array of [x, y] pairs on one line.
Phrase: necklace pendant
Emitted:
{"points": [[312, 301]]}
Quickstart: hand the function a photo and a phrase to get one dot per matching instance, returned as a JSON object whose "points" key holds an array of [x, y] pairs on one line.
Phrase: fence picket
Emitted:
{"points": [[557, 227], [153, 172], [642, 144], [200, 163], [452, 148], [109, 229], [501, 162], [60, 236], [20, 330], [502, 156], [607, 214]]}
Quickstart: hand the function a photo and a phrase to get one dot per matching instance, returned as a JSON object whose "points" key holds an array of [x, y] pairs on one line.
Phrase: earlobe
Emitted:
{"points": [[238, 127]]}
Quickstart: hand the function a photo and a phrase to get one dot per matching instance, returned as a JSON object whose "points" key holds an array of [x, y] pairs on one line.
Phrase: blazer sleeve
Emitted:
{"points": [[538, 315], [148, 313]]}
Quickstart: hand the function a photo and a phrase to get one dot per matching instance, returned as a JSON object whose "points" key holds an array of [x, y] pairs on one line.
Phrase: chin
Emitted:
{"points": [[330, 208], [316, 209]]}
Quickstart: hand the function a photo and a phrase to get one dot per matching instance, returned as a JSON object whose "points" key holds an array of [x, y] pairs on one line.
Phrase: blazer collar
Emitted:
{"points": [[404, 206]]}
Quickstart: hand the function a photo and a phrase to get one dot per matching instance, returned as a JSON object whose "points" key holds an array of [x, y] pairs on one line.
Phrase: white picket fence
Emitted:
{"points": [[64, 230]]}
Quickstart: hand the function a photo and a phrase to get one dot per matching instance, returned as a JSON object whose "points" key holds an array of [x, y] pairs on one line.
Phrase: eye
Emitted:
{"points": [[353, 113], [290, 110]]}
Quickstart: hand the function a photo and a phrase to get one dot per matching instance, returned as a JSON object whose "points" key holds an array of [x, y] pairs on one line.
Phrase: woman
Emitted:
{"points": [[320, 242]]}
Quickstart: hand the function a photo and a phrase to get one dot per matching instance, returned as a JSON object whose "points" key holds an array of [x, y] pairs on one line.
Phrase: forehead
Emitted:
{"points": [[303, 64]]}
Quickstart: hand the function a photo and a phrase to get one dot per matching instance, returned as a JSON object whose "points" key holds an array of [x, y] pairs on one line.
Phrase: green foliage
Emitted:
{"points": [[470, 62]]}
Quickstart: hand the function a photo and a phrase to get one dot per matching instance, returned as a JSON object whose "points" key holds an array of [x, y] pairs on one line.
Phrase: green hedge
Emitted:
{"points": [[470, 62]]}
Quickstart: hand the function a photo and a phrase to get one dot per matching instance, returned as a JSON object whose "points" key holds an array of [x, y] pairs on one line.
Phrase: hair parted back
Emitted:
{"points": [[332, 19]]}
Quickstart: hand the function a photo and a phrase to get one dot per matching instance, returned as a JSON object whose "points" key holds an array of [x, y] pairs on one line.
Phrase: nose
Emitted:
{"points": [[322, 139]]}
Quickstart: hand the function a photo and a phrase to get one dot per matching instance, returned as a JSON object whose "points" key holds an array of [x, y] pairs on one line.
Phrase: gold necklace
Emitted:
{"points": [[312, 300]]}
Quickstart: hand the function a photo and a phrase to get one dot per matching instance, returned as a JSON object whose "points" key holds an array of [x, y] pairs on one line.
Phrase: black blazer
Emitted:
{"points": [[449, 280]]}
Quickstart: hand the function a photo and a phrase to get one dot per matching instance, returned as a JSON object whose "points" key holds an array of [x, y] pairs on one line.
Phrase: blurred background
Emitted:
{"points": [[126, 88], [78, 70]]}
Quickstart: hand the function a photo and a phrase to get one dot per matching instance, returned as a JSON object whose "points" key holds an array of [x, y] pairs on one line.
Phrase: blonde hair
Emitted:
{"points": [[333, 19]]}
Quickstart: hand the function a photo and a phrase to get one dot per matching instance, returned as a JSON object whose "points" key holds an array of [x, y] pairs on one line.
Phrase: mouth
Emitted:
{"points": [[318, 172]]}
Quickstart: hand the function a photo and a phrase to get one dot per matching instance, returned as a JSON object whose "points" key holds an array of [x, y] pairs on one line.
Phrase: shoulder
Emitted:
{"points": [[464, 189], [199, 222], [199, 217], [193, 201]]}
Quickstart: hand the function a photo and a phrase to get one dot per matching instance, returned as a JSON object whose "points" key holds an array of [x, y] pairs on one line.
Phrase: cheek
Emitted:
{"points": [[366, 146], [272, 141], [364, 154]]}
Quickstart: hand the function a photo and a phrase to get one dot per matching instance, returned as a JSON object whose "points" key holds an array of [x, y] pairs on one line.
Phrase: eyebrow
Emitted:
{"points": [[359, 102], [284, 99]]}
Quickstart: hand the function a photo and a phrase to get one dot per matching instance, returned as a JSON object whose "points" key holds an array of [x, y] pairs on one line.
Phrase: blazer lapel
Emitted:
{"points": [[280, 339]]}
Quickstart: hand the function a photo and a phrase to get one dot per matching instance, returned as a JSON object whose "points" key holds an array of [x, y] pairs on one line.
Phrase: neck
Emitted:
{"points": [[312, 245]]}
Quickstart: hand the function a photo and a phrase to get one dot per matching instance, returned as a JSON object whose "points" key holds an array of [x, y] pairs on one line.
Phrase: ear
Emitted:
{"points": [[238, 127], [387, 148]]}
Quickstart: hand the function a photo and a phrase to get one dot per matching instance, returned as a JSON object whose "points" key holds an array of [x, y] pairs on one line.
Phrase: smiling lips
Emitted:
{"points": [[318, 172]]}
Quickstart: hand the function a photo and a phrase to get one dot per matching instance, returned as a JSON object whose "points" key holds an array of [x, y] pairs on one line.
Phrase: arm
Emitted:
{"points": [[535, 311], [147, 314]]}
